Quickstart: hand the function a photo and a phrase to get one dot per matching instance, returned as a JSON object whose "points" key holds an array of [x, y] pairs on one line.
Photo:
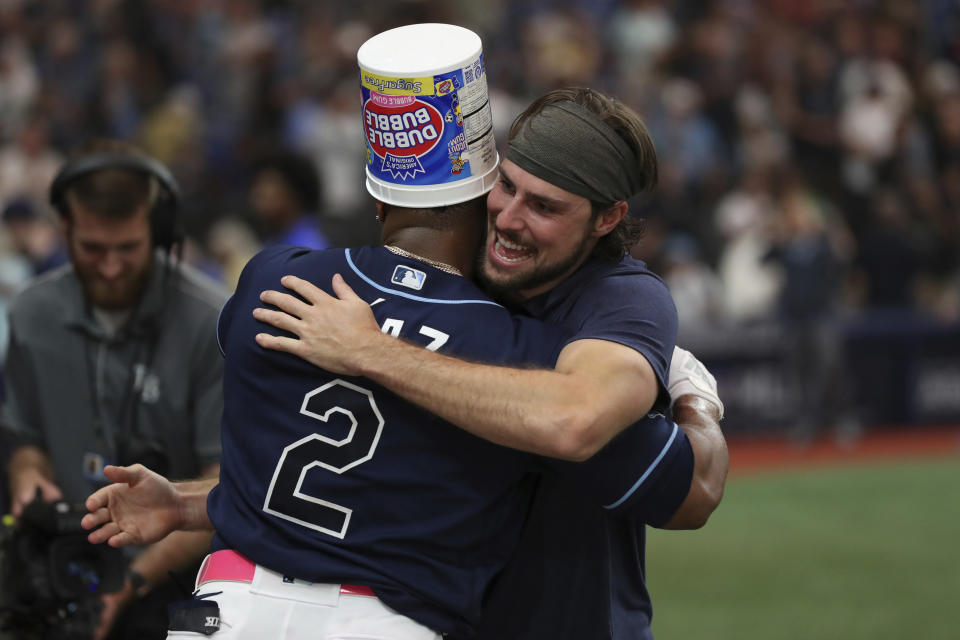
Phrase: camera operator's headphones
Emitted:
{"points": [[166, 228]]}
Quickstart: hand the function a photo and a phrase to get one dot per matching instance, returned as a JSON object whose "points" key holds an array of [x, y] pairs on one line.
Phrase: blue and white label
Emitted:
{"points": [[408, 277], [430, 130], [401, 167]]}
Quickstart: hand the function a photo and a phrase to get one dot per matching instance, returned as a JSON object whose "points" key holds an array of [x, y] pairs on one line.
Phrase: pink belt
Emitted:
{"points": [[231, 566]]}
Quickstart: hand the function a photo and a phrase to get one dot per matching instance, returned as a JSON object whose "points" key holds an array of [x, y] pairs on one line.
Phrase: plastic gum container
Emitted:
{"points": [[426, 116]]}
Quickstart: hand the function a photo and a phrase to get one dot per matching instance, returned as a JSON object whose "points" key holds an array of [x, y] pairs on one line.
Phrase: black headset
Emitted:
{"points": [[164, 216]]}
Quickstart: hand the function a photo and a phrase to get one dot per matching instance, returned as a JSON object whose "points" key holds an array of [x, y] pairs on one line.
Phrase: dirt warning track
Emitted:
{"points": [[758, 454]]}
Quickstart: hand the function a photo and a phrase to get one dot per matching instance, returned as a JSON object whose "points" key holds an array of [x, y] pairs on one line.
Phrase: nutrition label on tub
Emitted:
{"points": [[428, 130]]}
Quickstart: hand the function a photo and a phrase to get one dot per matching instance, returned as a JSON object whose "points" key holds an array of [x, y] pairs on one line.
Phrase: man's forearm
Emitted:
{"points": [[192, 540], [569, 412], [192, 496], [517, 408], [700, 421], [596, 390]]}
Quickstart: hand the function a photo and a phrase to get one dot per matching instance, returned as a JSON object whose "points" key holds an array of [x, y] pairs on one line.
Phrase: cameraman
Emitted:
{"points": [[113, 359]]}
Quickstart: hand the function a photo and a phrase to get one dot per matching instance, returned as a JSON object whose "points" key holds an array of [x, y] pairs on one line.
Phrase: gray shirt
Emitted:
{"points": [[150, 393]]}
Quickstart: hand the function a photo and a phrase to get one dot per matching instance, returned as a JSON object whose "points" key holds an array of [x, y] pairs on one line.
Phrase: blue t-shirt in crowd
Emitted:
{"points": [[305, 232]]}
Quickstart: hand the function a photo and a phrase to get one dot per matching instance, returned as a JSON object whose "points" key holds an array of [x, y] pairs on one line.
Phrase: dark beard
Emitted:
{"points": [[509, 292], [112, 298]]}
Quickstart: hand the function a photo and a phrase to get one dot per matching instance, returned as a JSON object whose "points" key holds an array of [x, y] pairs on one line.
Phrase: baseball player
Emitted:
{"points": [[344, 509], [556, 248], [354, 491]]}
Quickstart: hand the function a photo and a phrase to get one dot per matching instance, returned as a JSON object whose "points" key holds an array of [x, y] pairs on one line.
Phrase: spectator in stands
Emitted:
{"points": [[34, 236], [808, 246], [285, 196], [231, 242], [28, 163], [19, 82], [889, 256], [694, 287], [743, 221]]}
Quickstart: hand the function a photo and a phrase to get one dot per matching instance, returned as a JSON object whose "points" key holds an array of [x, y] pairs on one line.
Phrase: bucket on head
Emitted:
{"points": [[426, 116]]}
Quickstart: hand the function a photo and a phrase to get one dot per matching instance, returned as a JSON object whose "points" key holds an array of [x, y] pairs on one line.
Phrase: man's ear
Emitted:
{"points": [[609, 218], [379, 211]]}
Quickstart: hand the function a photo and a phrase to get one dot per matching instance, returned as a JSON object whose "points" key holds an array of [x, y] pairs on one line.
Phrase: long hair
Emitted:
{"points": [[628, 125]]}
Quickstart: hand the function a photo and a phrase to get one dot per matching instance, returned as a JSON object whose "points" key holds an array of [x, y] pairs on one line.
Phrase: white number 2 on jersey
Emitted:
{"points": [[285, 497]]}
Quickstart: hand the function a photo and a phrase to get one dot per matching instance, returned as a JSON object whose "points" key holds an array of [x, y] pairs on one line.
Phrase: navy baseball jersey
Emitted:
{"points": [[579, 570], [333, 478]]}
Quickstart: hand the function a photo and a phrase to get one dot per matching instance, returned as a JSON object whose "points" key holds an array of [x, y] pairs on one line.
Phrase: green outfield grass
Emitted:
{"points": [[854, 553]]}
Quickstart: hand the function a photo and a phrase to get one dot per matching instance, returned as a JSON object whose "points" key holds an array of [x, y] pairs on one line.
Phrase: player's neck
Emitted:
{"points": [[447, 247]]}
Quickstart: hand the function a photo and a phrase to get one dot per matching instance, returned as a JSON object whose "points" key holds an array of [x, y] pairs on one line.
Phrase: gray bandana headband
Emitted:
{"points": [[570, 147]]}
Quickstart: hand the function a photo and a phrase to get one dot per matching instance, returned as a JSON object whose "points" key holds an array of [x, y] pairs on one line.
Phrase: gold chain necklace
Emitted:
{"points": [[439, 265]]}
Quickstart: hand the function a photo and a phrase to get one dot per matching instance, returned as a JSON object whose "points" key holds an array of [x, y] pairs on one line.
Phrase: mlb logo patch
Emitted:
{"points": [[408, 277]]}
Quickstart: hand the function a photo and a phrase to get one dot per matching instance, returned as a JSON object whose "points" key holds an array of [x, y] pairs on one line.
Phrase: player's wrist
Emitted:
{"points": [[371, 356], [688, 405], [136, 585], [698, 388], [189, 504]]}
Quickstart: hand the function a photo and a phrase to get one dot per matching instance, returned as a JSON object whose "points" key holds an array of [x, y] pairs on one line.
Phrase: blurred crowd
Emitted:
{"points": [[809, 149]]}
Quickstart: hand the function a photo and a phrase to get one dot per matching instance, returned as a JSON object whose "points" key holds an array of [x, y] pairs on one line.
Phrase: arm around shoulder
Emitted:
{"points": [[597, 389], [608, 386]]}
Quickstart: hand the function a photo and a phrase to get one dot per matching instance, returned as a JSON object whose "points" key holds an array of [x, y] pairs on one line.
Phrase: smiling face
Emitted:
{"points": [[112, 256], [537, 234]]}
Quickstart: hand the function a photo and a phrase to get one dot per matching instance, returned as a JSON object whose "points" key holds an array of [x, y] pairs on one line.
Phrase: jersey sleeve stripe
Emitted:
{"points": [[653, 465], [409, 296]]}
